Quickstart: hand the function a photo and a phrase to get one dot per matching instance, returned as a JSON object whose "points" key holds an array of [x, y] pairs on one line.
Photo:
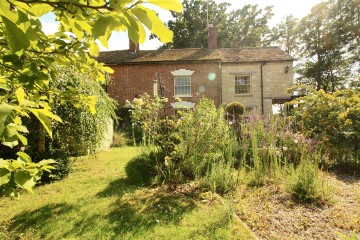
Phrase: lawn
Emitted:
{"points": [[96, 202]]}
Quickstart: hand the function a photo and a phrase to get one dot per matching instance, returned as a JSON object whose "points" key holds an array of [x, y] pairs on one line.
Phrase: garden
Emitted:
{"points": [[212, 172], [207, 173]]}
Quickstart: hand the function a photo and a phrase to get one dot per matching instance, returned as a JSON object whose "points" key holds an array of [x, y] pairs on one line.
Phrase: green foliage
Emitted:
{"points": [[235, 108], [286, 35], [82, 130], [21, 174], [268, 144], [205, 136], [306, 182], [146, 114], [141, 170], [335, 120], [184, 147], [61, 169], [245, 27], [330, 47], [221, 178], [30, 58], [119, 139]]}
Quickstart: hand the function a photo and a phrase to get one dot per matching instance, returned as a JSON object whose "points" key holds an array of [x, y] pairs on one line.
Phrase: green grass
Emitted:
{"points": [[96, 202]]}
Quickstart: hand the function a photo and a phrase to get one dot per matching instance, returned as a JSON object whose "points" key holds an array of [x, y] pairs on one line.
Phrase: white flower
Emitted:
{"points": [[285, 148], [296, 141]]}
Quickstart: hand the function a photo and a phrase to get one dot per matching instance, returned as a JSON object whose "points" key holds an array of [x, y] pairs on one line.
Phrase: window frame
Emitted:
{"points": [[176, 78], [249, 85], [182, 73]]}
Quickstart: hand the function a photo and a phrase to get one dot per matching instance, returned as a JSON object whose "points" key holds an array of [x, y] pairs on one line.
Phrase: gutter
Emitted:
{"points": [[262, 86]]}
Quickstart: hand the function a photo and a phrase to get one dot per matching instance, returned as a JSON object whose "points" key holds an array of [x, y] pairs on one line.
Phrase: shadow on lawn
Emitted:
{"points": [[117, 188], [135, 211], [143, 210], [39, 217]]}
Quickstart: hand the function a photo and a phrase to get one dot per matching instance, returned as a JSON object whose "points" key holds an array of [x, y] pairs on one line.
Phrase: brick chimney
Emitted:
{"points": [[212, 37], [133, 47]]}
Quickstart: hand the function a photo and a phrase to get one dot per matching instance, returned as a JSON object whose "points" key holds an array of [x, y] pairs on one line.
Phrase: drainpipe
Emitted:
{"points": [[262, 86], [221, 83]]}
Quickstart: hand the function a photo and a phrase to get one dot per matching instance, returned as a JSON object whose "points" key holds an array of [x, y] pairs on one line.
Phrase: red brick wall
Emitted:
{"points": [[129, 81]]}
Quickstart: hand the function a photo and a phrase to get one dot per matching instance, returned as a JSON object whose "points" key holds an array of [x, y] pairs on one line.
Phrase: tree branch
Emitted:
{"points": [[65, 3]]}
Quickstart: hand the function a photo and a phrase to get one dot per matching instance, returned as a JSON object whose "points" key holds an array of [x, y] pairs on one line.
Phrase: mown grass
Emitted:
{"points": [[97, 202]]}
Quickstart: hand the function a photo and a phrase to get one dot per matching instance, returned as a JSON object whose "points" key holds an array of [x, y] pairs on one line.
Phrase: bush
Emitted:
{"points": [[83, 127], [306, 182], [119, 139], [141, 170], [62, 168], [220, 178], [334, 118], [235, 108]]}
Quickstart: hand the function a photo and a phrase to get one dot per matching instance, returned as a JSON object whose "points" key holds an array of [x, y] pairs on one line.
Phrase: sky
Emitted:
{"points": [[281, 8]]}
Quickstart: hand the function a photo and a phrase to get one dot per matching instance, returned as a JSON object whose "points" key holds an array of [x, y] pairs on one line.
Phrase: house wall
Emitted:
{"points": [[130, 81], [275, 82]]}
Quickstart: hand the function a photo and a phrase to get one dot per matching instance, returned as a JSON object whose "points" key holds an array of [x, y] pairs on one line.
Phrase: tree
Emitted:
{"points": [[28, 60], [190, 26], [330, 45], [286, 35], [247, 27], [240, 28]]}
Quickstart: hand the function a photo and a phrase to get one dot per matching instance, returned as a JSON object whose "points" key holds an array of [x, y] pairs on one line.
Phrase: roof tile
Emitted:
{"points": [[195, 54]]}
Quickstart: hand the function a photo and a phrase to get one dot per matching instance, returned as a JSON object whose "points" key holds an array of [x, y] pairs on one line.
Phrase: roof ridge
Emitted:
{"points": [[185, 49]]}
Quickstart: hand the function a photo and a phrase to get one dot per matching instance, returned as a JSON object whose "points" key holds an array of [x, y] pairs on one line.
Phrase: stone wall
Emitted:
{"points": [[275, 82]]}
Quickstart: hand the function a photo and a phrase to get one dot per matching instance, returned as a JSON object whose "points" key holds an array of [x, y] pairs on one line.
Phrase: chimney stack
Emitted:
{"points": [[212, 37], [133, 47]]}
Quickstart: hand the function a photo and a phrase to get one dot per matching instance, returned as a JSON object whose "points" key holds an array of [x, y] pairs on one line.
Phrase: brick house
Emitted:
{"points": [[257, 77]]}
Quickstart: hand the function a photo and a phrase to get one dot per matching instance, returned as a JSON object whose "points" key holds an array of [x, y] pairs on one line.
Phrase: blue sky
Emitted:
{"points": [[281, 8]]}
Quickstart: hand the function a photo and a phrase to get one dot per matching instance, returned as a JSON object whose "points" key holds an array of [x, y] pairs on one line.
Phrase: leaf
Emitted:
{"points": [[136, 31], [24, 157], [24, 179], [44, 115], [101, 25], [5, 175], [6, 10], [174, 5], [94, 49], [104, 41], [153, 23], [22, 138], [37, 9], [5, 111], [17, 39], [20, 95], [45, 164], [4, 84]]}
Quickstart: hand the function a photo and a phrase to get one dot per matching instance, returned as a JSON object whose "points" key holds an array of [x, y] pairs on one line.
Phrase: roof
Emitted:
{"points": [[258, 54]]}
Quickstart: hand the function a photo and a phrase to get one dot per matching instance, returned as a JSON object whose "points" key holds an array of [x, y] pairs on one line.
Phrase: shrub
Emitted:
{"points": [[62, 167], [234, 112], [185, 145], [306, 183], [119, 139], [83, 127], [235, 109], [204, 134], [220, 178], [141, 170], [334, 118]]}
